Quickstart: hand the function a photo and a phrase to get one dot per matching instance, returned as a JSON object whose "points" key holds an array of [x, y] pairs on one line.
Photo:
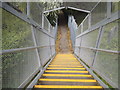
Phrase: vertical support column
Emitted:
{"points": [[89, 21], [1, 47], [109, 8], [55, 29], [49, 28], [81, 27], [42, 20], [28, 8], [50, 47], [80, 45], [97, 45]]}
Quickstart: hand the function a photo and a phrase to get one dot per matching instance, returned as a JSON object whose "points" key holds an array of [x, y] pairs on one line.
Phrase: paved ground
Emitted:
{"points": [[63, 43]]}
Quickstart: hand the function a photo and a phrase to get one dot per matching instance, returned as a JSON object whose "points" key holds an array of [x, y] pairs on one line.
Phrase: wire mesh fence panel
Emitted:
{"points": [[87, 55], [18, 67], [89, 39], [109, 39], [78, 31], [77, 44], [41, 38], [85, 24], [15, 32], [43, 41], [53, 50], [115, 7], [36, 10], [52, 41], [99, 13], [45, 54], [52, 31], [19, 6], [46, 24], [106, 65]]}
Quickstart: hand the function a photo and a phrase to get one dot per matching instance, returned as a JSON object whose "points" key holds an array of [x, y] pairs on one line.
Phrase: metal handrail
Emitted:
{"points": [[96, 49]]}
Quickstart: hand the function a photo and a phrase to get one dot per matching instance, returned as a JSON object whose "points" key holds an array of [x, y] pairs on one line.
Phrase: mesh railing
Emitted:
{"points": [[26, 45], [99, 45]]}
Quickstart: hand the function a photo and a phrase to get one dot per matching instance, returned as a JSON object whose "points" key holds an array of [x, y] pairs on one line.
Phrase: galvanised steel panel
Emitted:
{"points": [[106, 64], [45, 54], [99, 13], [89, 39], [86, 24], [18, 67], [46, 24], [41, 38], [77, 43], [87, 55], [36, 12], [109, 40]]}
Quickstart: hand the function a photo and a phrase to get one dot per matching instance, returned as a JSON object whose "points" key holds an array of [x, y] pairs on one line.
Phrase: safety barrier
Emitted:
{"points": [[97, 41], [28, 45]]}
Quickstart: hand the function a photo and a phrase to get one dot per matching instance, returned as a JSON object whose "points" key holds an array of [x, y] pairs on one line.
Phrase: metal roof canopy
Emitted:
{"points": [[86, 11]]}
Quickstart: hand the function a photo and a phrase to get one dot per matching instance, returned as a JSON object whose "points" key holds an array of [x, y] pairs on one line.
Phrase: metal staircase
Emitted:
{"points": [[28, 55], [65, 71]]}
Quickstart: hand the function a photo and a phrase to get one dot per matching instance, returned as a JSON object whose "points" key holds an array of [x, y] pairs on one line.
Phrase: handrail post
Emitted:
{"points": [[42, 20], [109, 7], [28, 8], [89, 21]]}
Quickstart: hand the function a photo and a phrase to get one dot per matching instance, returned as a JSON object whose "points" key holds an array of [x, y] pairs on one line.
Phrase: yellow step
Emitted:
{"points": [[67, 86], [64, 71], [68, 65], [67, 68], [63, 66], [67, 75], [66, 62], [68, 80]]}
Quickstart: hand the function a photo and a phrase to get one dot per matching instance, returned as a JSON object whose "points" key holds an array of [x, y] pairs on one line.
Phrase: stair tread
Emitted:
{"points": [[66, 86], [68, 80], [65, 71]]}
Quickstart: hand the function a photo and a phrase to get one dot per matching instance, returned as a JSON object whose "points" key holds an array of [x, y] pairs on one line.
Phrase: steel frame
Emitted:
{"points": [[82, 10]]}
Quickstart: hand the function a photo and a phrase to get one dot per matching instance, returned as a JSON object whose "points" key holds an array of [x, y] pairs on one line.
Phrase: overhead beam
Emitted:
{"points": [[82, 10], [54, 9]]}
